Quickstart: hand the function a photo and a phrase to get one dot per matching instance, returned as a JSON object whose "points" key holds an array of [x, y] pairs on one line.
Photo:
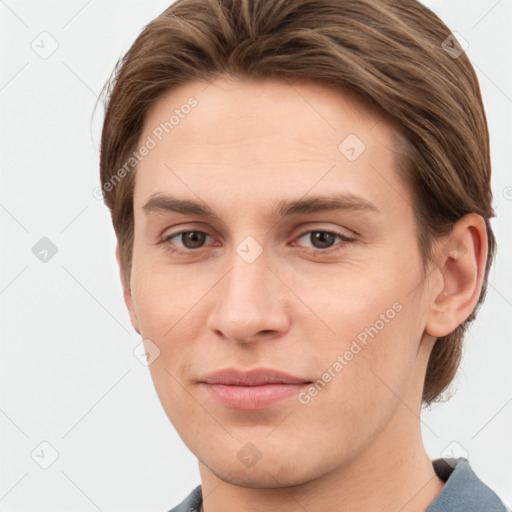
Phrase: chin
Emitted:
{"points": [[263, 478], [274, 470]]}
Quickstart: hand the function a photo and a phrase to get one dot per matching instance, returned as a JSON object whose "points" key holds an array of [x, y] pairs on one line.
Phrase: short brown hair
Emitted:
{"points": [[396, 54]]}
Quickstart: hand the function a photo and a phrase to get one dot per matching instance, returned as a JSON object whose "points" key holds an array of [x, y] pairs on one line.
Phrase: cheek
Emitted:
{"points": [[163, 297], [372, 354], [164, 303], [361, 398]]}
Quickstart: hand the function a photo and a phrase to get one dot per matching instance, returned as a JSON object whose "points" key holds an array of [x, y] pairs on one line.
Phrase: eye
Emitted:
{"points": [[320, 240], [189, 239], [324, 239]]}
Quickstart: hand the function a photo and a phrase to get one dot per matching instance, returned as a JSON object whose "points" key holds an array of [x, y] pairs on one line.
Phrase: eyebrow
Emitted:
{"points": [[339, 202]]}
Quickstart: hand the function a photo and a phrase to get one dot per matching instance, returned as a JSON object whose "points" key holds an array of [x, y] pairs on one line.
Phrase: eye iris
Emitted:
{"points": [[323, 238], [192, 239]]}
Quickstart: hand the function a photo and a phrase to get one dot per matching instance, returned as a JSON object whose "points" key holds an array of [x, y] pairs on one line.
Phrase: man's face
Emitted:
{"points": [[333, 297]]}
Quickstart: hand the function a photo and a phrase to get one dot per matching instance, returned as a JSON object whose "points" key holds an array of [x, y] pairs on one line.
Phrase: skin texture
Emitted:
{"points": [[247, 145]]}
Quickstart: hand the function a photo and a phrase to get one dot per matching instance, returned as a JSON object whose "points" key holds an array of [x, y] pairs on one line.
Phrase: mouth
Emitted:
{"points": [[255, 389]]}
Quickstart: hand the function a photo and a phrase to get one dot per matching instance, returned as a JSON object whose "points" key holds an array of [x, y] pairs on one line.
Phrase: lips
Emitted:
{"points": [[255, 377], [258, 388]]}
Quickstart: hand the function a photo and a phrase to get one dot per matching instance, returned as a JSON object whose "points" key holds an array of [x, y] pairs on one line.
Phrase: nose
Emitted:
{"points": [[250, 303]]}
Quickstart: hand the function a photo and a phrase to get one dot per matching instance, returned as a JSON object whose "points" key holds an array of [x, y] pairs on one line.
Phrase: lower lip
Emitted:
{"points": [[253, 397]]}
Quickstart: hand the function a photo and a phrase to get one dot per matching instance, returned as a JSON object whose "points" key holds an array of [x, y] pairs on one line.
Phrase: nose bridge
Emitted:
{"points": [[249, 273], [247, 285], [246, 301]]}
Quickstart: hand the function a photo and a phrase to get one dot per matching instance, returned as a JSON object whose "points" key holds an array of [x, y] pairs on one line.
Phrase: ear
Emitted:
{"points": [[127, 294], [462, 260]]}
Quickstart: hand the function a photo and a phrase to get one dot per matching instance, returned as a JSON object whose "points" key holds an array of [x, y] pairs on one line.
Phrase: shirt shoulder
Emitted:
{"points": [[192, 503], [463, 490]]}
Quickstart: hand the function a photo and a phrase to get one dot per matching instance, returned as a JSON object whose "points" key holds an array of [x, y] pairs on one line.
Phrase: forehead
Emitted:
{"points": [[229, 107], [260, 137]]}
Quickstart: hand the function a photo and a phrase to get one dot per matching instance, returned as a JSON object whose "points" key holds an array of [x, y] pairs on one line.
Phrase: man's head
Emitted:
{"points": [[252, 110]]}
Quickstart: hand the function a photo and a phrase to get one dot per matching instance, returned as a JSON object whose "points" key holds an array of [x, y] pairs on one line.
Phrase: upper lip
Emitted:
{"points": [[254, 377]]}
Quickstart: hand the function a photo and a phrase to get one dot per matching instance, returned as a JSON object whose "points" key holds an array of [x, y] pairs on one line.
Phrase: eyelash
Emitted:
{"points": [[345, 241]]}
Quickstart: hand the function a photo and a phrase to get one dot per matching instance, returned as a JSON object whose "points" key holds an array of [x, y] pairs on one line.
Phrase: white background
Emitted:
{"points": [[68, 374]]}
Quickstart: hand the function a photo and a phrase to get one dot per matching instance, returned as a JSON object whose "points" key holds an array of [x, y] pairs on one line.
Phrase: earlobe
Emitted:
{"points": [[461, 264], [127, 294]]}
